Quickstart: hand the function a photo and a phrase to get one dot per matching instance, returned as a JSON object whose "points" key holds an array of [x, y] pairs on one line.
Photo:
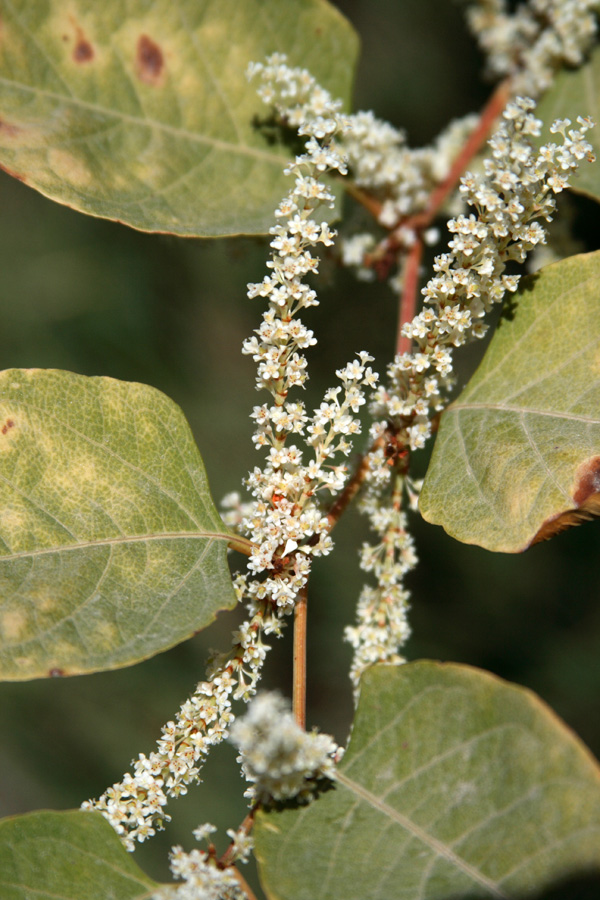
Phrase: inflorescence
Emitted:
{"points": [[509, 198], [514, 192], [285, 519], [278, 758]]}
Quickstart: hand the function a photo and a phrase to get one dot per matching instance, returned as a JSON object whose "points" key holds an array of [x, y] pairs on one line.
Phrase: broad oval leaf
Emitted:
{"points": [[111, 549], [455, 785], [140, 110], [576, 93], [69, 855], [517, 455]]}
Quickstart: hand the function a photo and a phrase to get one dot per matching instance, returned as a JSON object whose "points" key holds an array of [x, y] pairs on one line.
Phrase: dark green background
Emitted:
{"points": [[97, 298]]}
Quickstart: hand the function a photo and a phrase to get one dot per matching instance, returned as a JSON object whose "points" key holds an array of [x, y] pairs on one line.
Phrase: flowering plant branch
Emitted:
{"points": [[303, 484]]}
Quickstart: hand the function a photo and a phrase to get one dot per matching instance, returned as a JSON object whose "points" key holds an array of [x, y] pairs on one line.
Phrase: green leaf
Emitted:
{"points": [[576, 93], [70, 855], [111, 549], [455, 785], [517, 456], [140, 110]]}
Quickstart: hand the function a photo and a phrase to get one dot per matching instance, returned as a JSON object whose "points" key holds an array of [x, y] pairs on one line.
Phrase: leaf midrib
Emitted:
{"points": [[523, 410], [437, 846], [193, 136], [122, 539]]}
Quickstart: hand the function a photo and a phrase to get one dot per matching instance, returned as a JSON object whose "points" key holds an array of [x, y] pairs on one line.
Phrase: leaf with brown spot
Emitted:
{"points": [[111, 549], [150, 60], [83, 52], [143, 113], [517, 455]]}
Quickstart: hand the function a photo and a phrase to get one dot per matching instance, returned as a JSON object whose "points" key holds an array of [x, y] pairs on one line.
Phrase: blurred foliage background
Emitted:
{"points": [[97, 298]]}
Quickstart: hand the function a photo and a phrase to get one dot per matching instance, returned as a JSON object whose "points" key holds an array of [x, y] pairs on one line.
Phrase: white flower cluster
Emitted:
{"points": [[514, 191], [202, 877], [400, 177], [280, 759], [285, 521], [135, 806], [533, 42], [382, 626]]}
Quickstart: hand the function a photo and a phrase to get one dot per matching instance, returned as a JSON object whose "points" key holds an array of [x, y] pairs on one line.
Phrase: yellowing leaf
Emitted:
{"points": [[140, 110], [455, 785], [111, 549], [517, 455]]}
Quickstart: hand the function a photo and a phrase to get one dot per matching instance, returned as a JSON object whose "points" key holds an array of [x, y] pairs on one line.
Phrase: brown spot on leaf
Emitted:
{"points": [[7, 426], [56, 673], [586, 497], [83, 52], [587, 480], [150, 60], [9, 130]]}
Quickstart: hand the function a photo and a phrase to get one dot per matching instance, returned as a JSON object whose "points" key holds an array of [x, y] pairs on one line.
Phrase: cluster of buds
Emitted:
{"points": [[135, 805], [278, 758], [401, 178]]}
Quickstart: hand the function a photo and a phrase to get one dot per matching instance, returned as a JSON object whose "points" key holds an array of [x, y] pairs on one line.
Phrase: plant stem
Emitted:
{"points": [[473, 144], [241, 544], [383, 257], [408, 300], [353, 485], [244, 884], [371, 204], [246, 827], [299, 685]]}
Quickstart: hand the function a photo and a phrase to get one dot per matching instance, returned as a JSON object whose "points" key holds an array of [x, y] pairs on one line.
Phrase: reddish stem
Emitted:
{"points": [[244, 884], [246, 826], [352, 486], [473, 144], [386, 253], [299, 686], [371, 204], [408, 301]]}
